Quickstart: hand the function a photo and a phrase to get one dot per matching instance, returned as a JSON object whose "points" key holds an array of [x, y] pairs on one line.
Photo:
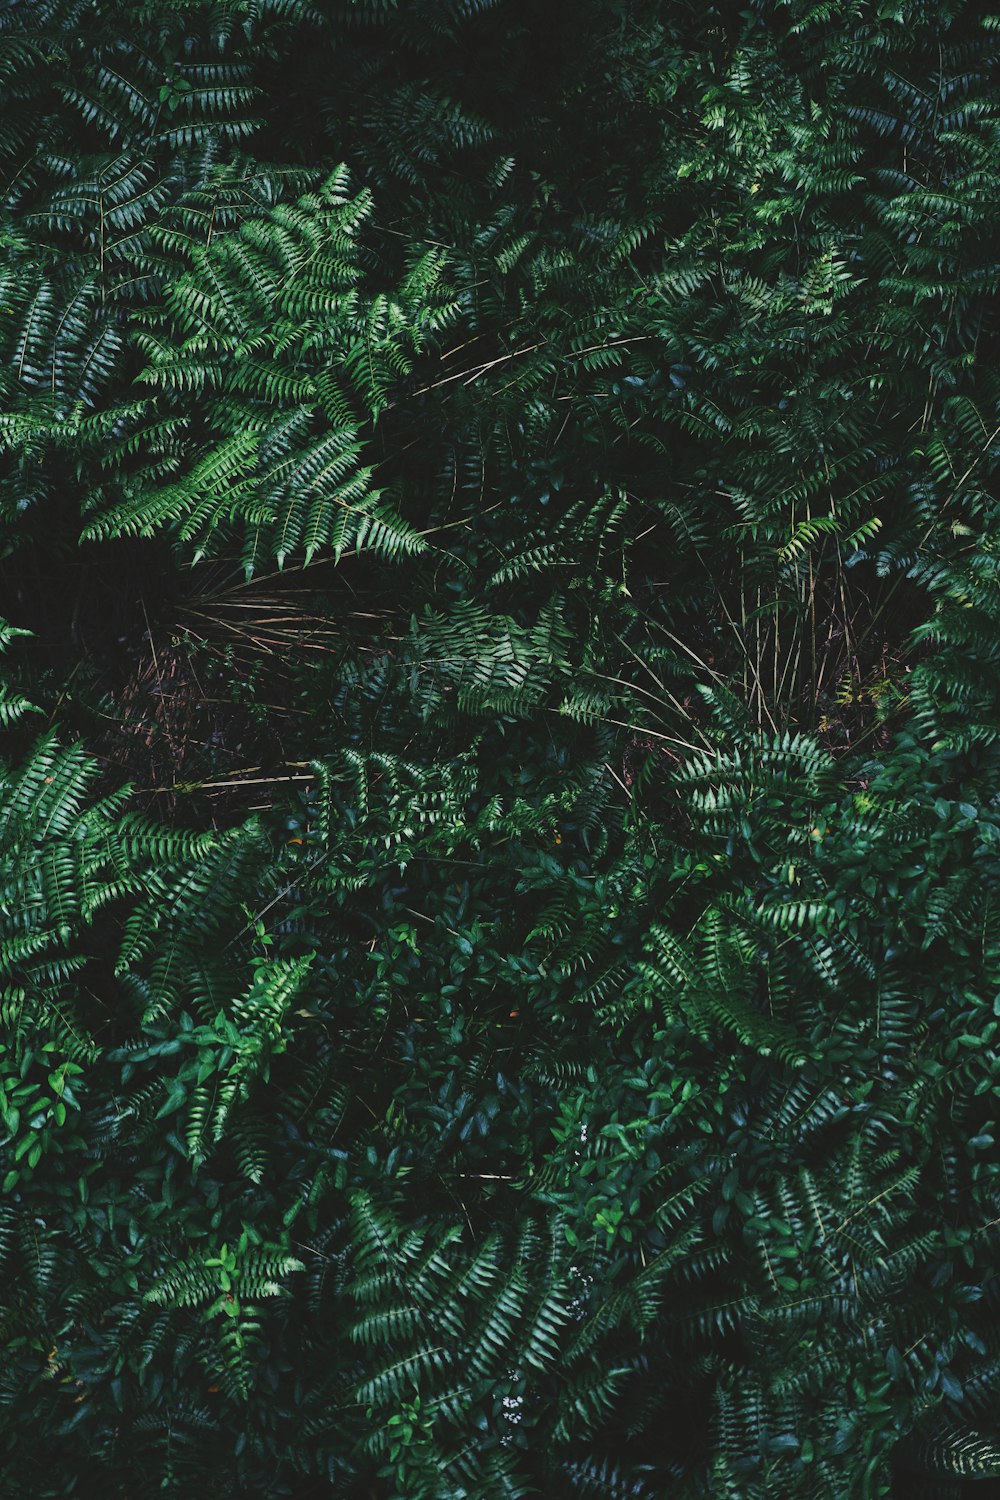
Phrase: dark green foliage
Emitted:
{"points": [[499, 813]]}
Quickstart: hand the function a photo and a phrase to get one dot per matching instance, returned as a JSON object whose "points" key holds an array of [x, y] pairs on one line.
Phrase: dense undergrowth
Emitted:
{"points": [[500, 816]]}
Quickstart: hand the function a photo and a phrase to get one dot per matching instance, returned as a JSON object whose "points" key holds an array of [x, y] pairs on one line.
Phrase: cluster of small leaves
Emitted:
{"points": [[582, 1081]]}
